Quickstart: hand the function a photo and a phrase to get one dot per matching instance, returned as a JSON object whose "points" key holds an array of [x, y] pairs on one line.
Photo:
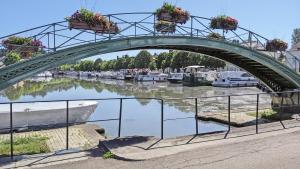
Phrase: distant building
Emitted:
{"points": [[296, 47]]}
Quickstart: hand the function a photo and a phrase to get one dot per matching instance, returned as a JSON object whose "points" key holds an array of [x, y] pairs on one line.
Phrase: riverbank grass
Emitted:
{"points": [[268, 114], [25, 145]]}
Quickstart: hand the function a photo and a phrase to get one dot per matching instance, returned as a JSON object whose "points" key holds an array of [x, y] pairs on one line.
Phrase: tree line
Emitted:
{"points": [[144, 59]]}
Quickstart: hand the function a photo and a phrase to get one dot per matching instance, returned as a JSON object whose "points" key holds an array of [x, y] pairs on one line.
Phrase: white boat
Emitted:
{"points": [[108, 75], [45, 115], [175, 77], [71, 73], [44, 74], [234, 79], [87, 74], [124, 74], [198, 76], [152, 76]]}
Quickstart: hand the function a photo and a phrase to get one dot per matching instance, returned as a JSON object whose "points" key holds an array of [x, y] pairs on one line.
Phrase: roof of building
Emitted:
{"points": [[296, 47]]}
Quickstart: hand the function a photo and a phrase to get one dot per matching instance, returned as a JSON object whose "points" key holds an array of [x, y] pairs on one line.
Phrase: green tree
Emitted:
{"points": [[142, 60], [12, 58], [296, 36], [167, 62], [152, 65], [180, 60], [211, 62], [194, 59], [97, 64], [86, 65], [160, 58]]}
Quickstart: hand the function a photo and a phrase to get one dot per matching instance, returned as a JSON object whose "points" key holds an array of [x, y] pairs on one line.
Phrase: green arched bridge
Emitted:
{"points": [[241, 47]]}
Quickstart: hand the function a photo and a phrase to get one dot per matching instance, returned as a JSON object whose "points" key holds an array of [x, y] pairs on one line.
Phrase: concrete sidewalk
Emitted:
{"points": [[239, 149], [143, 148]]}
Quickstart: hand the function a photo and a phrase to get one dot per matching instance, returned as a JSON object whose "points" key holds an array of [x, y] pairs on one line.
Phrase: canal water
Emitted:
{"points": [[140, 116]]}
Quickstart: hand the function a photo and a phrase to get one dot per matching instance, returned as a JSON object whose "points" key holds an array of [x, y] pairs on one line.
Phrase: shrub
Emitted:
{"points": [[11, 58]]}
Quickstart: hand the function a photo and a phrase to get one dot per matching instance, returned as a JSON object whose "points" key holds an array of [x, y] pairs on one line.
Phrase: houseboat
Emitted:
{"points": [[125, 74], [44, 74], [175, 77], [234, 79], [198, 76], [151, 76]]}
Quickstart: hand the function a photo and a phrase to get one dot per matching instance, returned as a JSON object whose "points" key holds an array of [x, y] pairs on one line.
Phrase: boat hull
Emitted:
{"points": [[175, 80], [45, 118], [194, 81]]}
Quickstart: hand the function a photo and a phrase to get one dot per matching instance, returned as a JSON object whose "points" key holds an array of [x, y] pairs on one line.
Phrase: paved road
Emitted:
{"points": [[275, 152]]}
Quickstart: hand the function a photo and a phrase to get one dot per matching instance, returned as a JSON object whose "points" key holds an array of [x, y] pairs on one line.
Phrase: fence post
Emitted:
{"points": [[162, 119], [196, 115], [109, 36], [11, 134], [54, 43], [191, 26], [154, 20], [257, 103], [67, 126], [120, 117], [228, 113]]}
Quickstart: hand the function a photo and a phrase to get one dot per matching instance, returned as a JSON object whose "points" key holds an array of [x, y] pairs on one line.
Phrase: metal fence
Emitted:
{"points": [[162, 101]]}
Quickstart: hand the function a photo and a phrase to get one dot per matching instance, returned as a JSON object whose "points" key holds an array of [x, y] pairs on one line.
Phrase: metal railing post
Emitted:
{"points": [[162, 119], [67, 126], [257, 103], [48, 42], [11, 134], [228, 113], [196, 115], [191, 26], [154, 20], [109, 36], [54, 43], [134, 29], [120, 117]]}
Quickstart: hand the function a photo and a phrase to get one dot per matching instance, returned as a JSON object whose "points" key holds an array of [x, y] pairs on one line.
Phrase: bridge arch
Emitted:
{"points": [[272, 73]]}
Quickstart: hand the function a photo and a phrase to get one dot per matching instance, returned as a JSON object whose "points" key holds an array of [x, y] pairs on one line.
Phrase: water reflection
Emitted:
{"points": [[116, 88]]}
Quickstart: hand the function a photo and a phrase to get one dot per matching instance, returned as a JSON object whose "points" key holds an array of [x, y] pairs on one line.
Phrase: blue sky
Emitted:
{"points": [[271, 18]]}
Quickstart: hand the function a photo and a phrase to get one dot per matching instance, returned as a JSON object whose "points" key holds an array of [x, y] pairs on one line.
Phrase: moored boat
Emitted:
{"points": [[151, 76], [234, 79], [124, 74], [175, 77], [198, 76], [45, 115]]}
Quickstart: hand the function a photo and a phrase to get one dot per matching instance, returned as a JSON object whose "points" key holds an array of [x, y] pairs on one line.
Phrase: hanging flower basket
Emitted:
{"points": [[87, 20], [171, 13], [25, 46], [224, 22], [165, 27], [276, 45], [215, 36]]}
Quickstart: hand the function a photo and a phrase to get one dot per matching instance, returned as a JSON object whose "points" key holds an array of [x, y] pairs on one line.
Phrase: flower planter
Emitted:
{"points": [[165, 16], [276, 45], [88, 20], [25, 46], [171, 13], [182, 19], [215, 36], [224, 22], [113, 29], [165, 27], [21, 48]]}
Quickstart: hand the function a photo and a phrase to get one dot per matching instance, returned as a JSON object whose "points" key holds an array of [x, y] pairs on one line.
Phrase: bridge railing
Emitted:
{"points": [[196, 105]]}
